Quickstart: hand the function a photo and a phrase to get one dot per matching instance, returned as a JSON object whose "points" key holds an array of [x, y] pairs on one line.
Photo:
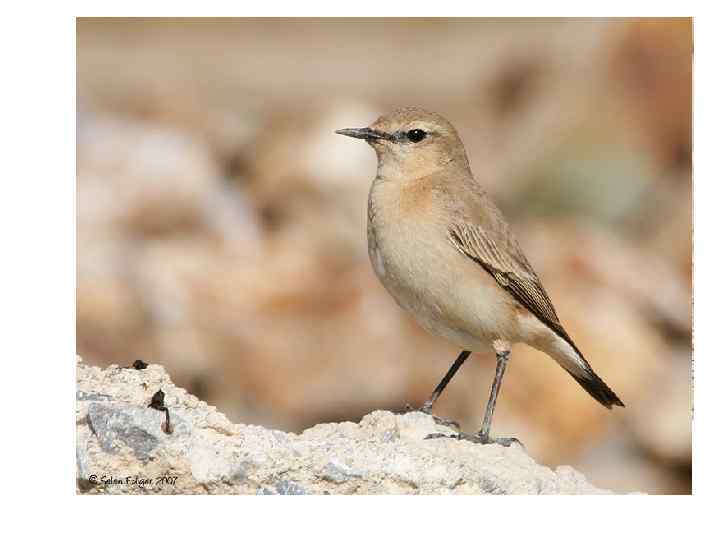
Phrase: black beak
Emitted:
{"points": [[363, 133]]}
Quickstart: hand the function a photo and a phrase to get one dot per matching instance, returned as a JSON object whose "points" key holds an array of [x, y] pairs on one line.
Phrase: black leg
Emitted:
{"points": [[428, 405]]}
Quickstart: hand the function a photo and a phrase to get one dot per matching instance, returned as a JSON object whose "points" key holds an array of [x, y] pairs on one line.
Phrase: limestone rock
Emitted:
{"points": [[123, 447]]}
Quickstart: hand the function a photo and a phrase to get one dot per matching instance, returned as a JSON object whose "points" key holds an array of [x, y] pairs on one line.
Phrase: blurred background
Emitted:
{"points": [[221, 222]]}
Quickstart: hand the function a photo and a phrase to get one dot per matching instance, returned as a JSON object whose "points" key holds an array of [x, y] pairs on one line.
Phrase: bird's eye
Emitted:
{"points": [[416, 135]]}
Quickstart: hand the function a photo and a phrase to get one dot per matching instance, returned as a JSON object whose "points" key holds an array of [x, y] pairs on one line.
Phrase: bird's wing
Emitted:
{"points": [[501, 257], [509, 267]]}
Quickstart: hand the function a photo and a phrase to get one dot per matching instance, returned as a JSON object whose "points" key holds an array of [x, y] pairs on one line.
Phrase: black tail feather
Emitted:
{"points": [[589, 380], [597, 388]]}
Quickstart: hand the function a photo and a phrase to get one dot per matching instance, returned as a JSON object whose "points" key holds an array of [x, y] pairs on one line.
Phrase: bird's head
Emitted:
{"points": [[411, 143]]}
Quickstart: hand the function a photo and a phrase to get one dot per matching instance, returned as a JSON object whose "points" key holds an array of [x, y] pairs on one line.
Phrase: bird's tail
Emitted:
{"points": [[596, 387], [572, 360]]}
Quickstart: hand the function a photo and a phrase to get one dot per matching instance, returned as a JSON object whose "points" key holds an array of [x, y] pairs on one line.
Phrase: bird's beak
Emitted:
{"points": [[363, 133]]}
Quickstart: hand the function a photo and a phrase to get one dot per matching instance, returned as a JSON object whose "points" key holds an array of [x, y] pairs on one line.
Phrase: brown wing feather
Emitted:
{"points": [[513, 273], [510, 269]]}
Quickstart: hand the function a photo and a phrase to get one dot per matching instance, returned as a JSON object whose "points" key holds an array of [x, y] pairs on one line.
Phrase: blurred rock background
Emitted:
{"points": [[221, 223]]}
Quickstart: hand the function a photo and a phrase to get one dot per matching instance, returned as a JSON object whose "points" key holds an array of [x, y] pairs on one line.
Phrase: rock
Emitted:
{"points": [[122, 447]]}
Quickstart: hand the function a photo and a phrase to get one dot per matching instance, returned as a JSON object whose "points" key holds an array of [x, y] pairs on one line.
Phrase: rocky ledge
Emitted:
{"points": [[125, 445]]}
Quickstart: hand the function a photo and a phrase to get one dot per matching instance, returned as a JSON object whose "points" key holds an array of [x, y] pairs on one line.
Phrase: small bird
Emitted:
{"points": [[445, 253]]}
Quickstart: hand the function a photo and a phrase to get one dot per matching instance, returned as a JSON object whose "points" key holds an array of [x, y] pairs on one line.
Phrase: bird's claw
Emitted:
{"points": [[427, 409], [478, 438]]}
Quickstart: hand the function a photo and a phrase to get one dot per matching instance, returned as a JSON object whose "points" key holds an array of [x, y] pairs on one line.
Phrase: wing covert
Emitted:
{"points": [[510, 269]]}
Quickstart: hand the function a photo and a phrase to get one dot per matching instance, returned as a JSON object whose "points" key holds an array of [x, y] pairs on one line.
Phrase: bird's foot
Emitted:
{"points": [[479, 438], [427, 409]]}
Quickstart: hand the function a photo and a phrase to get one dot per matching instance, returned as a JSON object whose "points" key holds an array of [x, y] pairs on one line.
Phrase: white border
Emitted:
{"points": [[39, 278]]}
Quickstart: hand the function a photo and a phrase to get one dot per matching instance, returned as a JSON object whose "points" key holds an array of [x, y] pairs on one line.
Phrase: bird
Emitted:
{"points": [[446, 254]]}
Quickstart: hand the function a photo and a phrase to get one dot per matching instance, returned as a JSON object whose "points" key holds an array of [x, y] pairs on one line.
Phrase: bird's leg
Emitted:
{"points": [[428, 405], [502, 353]]}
